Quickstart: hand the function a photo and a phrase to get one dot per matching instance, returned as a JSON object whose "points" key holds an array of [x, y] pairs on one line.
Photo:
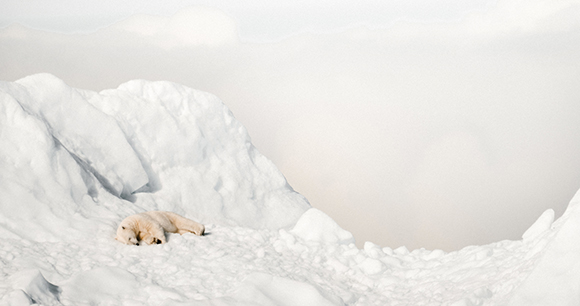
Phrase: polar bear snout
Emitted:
{"points": [[126, 235], [130, 241]]}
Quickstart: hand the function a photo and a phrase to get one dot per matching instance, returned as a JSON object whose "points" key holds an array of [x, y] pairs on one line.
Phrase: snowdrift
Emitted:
{"points": [[74, 163]]}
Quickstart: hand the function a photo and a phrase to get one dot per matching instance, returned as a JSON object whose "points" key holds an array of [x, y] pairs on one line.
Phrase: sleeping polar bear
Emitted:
{"points": [[151, 226]]}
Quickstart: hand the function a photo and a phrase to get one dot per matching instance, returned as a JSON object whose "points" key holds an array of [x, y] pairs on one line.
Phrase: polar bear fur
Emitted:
{"points": [[150, 227]]}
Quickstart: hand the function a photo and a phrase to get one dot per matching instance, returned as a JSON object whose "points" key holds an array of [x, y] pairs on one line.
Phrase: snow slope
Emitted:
{"points": [[74, 163]]}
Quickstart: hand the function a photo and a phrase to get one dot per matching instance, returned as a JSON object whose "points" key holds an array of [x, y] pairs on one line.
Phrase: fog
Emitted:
{"points": [[424, 134]]}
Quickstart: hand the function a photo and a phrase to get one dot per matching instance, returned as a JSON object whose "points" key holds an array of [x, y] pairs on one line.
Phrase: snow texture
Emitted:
{"points": [[74, 163]]}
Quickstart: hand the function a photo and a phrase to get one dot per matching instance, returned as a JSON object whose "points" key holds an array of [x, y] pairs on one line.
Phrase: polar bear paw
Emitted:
{"points": [[153, 240]]}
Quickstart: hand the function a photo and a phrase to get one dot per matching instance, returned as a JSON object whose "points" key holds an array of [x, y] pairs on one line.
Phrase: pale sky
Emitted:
{"points": [[431, 124], [258, 20]]}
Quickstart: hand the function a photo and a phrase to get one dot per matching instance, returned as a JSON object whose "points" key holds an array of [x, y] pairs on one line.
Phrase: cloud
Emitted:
{"points": [[434, 135], [537, 16], [191, 26]]}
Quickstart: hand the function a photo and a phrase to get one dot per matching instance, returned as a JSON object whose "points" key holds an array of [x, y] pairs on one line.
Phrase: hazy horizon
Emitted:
{"points": [[437, 131]]}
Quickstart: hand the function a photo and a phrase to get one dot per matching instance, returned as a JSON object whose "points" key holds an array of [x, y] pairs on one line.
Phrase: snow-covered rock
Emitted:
{"points": [[74, 163]]}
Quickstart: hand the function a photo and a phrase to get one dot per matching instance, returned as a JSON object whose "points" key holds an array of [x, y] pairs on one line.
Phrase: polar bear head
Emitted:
{"points": [[126, 234]]}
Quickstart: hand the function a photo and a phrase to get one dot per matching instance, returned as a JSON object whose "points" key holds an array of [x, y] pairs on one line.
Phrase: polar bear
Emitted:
{"points": [[151, 226]]}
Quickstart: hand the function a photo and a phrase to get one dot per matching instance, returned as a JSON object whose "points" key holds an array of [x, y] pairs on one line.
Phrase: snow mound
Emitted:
{"points": [[555, 279], [162, 146], [32, 287], [539, 227], [89, 135], [316, 226], [74, 163]]}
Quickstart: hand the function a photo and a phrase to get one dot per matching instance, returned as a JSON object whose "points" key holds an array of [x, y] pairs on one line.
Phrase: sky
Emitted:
{"points": [[258, 20], [435, 124]]}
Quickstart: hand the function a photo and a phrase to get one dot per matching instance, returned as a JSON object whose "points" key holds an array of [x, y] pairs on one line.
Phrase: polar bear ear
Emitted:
{"points": [[122, 227]]}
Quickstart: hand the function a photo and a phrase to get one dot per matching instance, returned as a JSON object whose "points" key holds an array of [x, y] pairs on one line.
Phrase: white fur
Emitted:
{"points": [[151, 226]]}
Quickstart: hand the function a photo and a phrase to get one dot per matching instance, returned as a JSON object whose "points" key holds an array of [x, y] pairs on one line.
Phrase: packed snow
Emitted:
{"points": [[74, 163]]}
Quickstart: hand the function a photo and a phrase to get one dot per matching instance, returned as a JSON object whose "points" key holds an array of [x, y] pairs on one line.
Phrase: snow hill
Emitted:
{"points": [[74, 163]]}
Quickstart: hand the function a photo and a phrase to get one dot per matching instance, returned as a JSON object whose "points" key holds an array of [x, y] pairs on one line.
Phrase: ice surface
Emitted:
{"points": [[74, 163], [265, 289], [101, 285]]}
